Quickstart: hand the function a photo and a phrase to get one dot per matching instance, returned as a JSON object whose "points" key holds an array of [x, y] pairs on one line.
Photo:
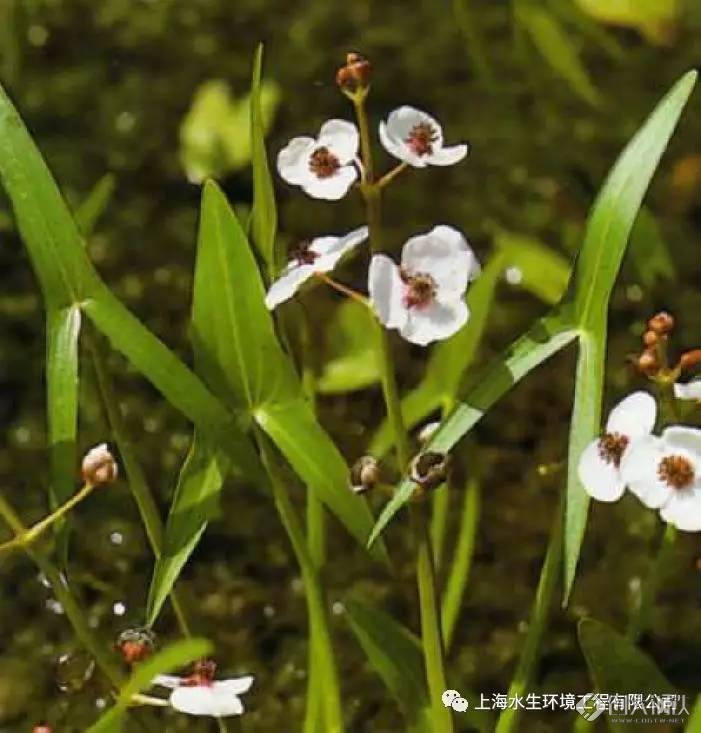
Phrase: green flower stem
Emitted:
{"points": [[440, 508], [431, 634], [36, 530], [540, 614], [74, 613], [325, 672], [138, 484], [462, 561]]}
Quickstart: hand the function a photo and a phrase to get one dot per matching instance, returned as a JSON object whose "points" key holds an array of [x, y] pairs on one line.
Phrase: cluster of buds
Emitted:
{"points": [[353, 79], [135, 645]]}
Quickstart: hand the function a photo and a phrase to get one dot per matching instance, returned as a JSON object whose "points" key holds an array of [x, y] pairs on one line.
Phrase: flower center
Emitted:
{"points": [[303, 254], [676, 471], [420, 289], [323, 163], [611, 447], [202, 674], [421, 138]]}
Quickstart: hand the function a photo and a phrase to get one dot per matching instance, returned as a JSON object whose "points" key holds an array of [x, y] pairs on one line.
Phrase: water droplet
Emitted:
{"points": [[119, 609], [116, 538], [74, 670]]}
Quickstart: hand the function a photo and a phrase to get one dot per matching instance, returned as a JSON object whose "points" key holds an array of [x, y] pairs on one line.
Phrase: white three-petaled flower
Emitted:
{"points": [[665, 473], [689, 391], [218, 698], [600, 464], [424, 298], [324, 167], [320, 255], [416, 138]]}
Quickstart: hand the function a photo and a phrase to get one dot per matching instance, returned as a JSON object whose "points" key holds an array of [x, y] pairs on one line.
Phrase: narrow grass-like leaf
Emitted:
{"points": [[610, 223], [545, 338], [94, 204], [63, 329], [176, 655], [264, 213]]}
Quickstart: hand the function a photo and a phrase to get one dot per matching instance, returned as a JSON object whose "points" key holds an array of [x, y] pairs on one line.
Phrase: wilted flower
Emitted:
{"points": [[321, 255], [364, 475], [688, 391], [600, 463], [99, 466], [665, 473], [416, 138], [424, 297], [430, 469], [201, 694], [324, 168]]}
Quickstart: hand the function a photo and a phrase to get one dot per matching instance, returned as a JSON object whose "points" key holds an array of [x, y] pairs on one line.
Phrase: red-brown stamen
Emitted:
{"points": [[676, 471], [420, 289], [612, 446], [421, 138], [304, 254], [202, 674], [323, 163]]}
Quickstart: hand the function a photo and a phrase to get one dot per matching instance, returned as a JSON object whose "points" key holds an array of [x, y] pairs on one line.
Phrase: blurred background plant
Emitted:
{"points": [[153, 94]]}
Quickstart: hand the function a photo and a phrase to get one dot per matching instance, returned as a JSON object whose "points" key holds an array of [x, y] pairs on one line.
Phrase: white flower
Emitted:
{"points": [[688, 391], [665, 474], [416, 138], [600, 463], [424, 297], [199, 695], [323, 167], [320, 255]]}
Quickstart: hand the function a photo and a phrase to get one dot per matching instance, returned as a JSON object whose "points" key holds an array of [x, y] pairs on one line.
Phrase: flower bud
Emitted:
{"points": [[648, 363], [430, 469], [690, 359], [651, 338], [354, 77], [136, 645], [428, 431], [365, 474], [99, 466], [661, 323], [42, 728]]}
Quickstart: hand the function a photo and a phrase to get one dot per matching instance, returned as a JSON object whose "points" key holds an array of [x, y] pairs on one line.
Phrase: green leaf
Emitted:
{"points": [[608, 229], [545, 338], [654, 18], [264, 214], [62, 332], [551, 40], [350, 359], [94, 204], [394, 652], [195, 502], [167, 660], [693, 725], [617, 665]]}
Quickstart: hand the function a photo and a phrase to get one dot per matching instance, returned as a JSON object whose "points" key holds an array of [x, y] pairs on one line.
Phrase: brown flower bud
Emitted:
{"points": [[651, 338], [355, 75], [42, 728], [661, 323], [365, 474], [648, 363], [690, 359], [99, 466], [430, 469], [136, 645]]}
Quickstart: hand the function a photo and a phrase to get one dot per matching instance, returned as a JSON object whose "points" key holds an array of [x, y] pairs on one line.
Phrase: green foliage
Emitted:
{"points": [[215, 136], [653, 18]]}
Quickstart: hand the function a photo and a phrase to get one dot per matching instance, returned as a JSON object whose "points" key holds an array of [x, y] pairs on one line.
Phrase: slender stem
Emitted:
{"points": [[342, 288], [138, 485], [391, 175], [540, 615], [316, 603], [36, 530], [440, 508], [462, 562], [431, 634], [65, 597]]}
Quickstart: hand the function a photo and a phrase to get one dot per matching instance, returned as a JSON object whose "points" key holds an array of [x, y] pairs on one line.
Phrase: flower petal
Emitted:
{"points": [[236, 685], [386, 291], [435, 322], [330, 249], [633, 416], [341, 138], [688, 391], [403, 120], [287, 284], [639, 469], [398, 149], [167, 680], [445, 255], [332, 188], [448, 156], [293, 160], [680, 436], [683, 510], [600, 479], [202, 700]]}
